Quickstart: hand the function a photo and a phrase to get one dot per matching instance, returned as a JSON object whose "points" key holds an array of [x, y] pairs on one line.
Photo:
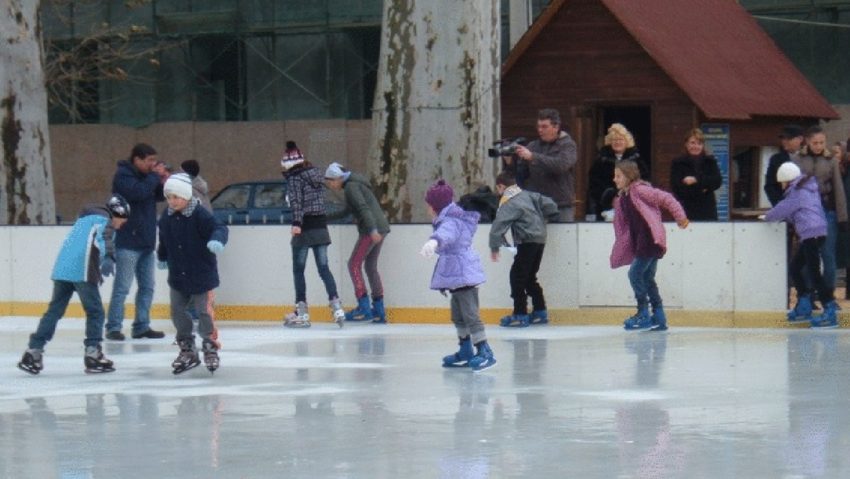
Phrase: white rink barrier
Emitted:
{"points": [[710, 267]]}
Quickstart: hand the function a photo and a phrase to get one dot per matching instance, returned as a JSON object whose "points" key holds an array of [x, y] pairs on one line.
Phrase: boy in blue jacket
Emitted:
{"points": [[189, 240], [86, 256]]}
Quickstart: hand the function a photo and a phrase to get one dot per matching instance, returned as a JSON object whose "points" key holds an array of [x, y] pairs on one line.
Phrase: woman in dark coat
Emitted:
{"points": [[619, 145], [694, 177]]}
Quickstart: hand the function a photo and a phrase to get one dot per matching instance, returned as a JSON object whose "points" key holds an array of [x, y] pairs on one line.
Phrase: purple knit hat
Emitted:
{"points": [[439, 195]]}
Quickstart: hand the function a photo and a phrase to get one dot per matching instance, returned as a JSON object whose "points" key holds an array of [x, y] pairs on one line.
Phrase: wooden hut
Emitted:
{"points": [[661, 67]]}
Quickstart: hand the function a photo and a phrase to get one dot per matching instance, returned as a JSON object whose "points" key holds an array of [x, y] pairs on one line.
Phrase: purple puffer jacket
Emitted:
{"points": [[458, 264], [801, 207]]}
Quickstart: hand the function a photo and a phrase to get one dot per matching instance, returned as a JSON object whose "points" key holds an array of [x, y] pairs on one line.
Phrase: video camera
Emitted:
{"points": [[505, 147]]}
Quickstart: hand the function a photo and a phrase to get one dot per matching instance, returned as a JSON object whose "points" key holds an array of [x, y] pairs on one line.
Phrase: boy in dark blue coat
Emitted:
{"points": [[85, 257], [189, 239]]}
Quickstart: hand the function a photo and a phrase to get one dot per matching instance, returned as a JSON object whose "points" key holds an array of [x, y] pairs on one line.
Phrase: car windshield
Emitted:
{"points": [[270, 196], [233, 197]]}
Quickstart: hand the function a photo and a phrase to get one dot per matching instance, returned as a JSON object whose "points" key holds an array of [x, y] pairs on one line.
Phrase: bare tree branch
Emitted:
{"points": [[75, 69]]}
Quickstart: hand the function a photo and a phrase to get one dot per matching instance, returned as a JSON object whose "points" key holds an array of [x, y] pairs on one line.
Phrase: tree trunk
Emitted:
{"points": [[26, 192], [436, 105]]}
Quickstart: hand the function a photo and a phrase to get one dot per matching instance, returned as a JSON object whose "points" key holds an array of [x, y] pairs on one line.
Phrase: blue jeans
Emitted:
{"points": [[299, 263], [642, 278], [828, 250], [828, 255], [130, 263], [62, 292]]}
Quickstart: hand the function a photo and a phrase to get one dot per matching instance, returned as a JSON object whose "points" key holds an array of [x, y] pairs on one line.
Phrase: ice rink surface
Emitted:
{"points": [[372, 401]]}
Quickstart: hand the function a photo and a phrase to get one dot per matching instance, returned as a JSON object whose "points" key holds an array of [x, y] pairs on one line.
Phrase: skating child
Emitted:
{"points": [[306, 194], [373, 227], [86, 256], [459, 272], [189, 240], [525, 214], [801, 207], [640, 241], [199, 185]]}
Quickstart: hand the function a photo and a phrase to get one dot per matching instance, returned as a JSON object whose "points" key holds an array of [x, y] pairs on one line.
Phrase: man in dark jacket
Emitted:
{"points": [[791, 139], [547, 165], [139, 180]]}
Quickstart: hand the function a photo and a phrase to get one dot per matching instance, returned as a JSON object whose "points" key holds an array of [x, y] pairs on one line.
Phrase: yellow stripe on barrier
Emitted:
{"points": [[558, 317]]}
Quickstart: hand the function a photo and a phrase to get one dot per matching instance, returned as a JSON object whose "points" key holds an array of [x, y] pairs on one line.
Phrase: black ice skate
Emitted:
{"points": [[188, 357], [31, 362], [96, 362], [210, 355]]}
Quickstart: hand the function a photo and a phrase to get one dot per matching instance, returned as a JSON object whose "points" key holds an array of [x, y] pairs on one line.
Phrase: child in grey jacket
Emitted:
{"points": [[525, 214]]}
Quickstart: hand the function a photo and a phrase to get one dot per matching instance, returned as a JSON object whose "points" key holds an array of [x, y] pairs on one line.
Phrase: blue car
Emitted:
{"points": [[259, 202]]}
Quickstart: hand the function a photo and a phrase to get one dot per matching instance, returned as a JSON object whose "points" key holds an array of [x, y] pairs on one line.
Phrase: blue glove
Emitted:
{"points": [[107, 268], [162, 264], [215, 247]]}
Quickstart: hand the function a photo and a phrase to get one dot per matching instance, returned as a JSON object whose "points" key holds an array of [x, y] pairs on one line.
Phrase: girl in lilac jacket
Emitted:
{"points": [[801, 208], [459, 272], [640, 241]]}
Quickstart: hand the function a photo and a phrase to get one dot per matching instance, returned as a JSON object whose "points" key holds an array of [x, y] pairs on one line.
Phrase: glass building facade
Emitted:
{"points": [[270, 60], [214, 60]]}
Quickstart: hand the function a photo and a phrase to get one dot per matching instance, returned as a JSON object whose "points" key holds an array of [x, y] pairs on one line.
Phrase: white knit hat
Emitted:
{"points": [[789, 171], [334, 171], [179, 185]]}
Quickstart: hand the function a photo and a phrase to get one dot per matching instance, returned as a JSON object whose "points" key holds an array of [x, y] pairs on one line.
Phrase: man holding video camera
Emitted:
{"points": [[547, 164]]}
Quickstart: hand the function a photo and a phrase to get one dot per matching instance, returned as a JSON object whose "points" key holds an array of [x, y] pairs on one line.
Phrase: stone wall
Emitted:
{"points": [[84, 156]]}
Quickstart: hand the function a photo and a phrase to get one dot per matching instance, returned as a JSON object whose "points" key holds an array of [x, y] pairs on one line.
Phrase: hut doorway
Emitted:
{"points": [[638, 120]]}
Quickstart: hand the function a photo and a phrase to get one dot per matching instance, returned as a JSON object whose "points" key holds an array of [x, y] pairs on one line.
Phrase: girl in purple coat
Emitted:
{"points": [[458, 271], [640, 241], [801, 208]]}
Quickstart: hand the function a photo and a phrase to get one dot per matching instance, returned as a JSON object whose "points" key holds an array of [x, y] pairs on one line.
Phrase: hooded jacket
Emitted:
{"points": [[525, 214], [361, 202], [801, 207], [84, 248], [458, 265], [141, 191], [827, 170], [306, 194], [649, 202], [183, 238], [551, 171]]}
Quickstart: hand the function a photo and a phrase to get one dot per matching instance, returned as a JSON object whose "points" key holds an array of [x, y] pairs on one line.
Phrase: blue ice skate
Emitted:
{"points": [[461, 358], [829, 318], [363, 311], [379, 314], [515, 321], [639, 322], [659, 319], [540, 316], [484, 359], [802, 312]]}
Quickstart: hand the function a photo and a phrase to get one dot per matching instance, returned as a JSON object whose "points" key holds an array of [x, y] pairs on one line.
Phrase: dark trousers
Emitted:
{"points": [[524, 278], [808, 258]]}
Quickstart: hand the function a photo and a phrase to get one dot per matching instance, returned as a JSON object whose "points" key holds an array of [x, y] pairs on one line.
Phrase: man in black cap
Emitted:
{"points": [[791, 139]]}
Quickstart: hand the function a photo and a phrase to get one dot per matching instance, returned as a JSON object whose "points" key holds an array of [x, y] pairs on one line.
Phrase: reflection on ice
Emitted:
{"points": [[374, 402]]}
